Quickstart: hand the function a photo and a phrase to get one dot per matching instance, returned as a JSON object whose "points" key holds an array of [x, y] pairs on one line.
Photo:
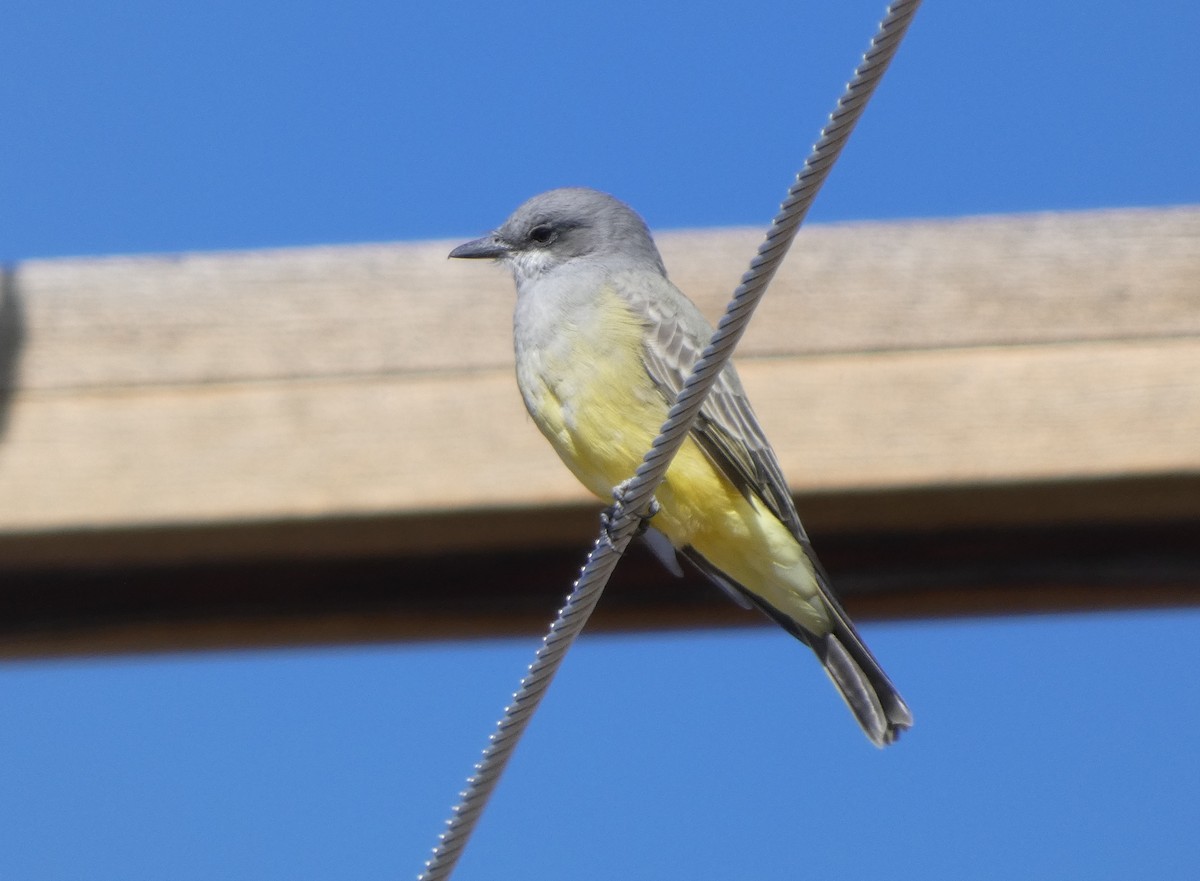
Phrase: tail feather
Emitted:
{"points": [[866, 689], [875, 702], [872, 698], [864, 686]]}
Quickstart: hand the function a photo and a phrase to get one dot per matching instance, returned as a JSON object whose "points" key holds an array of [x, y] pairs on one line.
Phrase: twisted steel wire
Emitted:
{"points": [[635, 497]]}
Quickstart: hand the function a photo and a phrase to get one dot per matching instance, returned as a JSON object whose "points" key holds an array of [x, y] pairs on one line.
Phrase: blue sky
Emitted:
{"points": [[1045, 748], [139, 127]]}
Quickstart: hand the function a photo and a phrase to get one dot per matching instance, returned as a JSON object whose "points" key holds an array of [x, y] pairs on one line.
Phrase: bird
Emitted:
{"points": [[603, 343]]}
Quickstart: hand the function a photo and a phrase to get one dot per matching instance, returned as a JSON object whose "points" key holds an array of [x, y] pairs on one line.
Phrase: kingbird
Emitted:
{"points": [[603, 344]]}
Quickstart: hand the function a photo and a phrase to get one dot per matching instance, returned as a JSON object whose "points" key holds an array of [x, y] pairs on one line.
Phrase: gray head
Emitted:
{"points": [[566, 226]]}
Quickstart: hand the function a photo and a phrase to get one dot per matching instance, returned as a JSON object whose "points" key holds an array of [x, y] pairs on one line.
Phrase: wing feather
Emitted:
{"points": [[727, 429], [729, 434]]}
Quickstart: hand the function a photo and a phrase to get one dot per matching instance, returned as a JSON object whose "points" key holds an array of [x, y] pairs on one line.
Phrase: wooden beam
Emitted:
{"points": [[347, 403], [353, 447], [404, 309]]}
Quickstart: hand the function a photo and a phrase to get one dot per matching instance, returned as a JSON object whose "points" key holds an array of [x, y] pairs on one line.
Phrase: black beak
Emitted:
{"points": [[489, 246]]}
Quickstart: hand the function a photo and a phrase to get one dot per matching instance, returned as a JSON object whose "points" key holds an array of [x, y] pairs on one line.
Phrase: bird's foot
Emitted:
{"points": [[610, 515]]}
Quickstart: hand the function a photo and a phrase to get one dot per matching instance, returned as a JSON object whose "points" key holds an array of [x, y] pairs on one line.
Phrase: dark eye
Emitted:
{"points": [[542, 234]]}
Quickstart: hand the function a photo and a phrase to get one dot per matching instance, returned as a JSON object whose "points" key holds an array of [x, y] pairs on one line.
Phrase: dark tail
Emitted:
{"points": [[864, 686], [868, 692]]}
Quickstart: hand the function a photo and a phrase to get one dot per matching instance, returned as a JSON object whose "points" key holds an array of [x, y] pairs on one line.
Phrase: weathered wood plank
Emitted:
{"points": [[370, 310], [978, 415], [445, 442], [221, 394]]}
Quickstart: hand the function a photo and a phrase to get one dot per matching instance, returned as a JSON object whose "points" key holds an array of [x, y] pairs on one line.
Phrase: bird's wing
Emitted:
{"points": [[729, 434], [726, 429]]}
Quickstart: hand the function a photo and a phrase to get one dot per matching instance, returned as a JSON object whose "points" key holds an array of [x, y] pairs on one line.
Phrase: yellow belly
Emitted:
{"points": [[600, 410]]}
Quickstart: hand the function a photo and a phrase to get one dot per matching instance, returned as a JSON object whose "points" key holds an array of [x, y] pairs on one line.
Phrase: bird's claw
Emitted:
{"points": [[610, 515]]}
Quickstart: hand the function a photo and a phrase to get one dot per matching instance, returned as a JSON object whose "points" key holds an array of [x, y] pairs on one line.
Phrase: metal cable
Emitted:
{"points": [[636, 495]]}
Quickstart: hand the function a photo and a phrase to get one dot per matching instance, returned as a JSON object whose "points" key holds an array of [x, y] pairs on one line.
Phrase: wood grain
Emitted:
{"points": [[375, 381], [981, 415], [351, 447], [369, 310]]}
